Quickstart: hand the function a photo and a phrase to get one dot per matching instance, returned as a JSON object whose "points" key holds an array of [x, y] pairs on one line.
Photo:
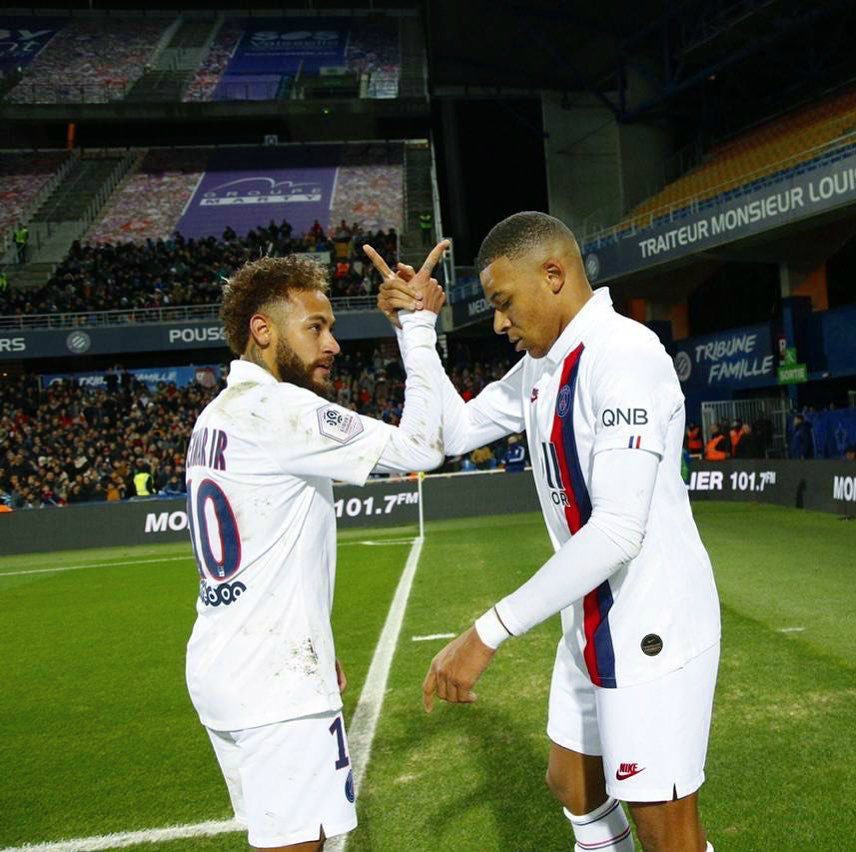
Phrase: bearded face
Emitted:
{"points": [[314, 376]]}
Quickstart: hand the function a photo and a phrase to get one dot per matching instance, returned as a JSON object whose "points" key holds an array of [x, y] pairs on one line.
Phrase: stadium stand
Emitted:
{"points": [[364, 61], [179, 271], [748, 162], [92, 61], [151, 201], [71, 443], [205, 80], [24, 177]]}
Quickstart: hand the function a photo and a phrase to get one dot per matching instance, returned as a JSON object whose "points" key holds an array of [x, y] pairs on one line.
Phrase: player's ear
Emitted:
{"points": [[555, 274], [260, 330]]}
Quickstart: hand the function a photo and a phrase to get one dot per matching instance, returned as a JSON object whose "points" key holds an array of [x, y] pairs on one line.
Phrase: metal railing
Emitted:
{"points": [[148, 316], [739, 184], [69, 93], [749, 411], [6, 244]]}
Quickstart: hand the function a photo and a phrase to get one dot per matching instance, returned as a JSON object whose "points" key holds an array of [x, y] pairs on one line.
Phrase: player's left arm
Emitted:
{"points": [[624, 473]]}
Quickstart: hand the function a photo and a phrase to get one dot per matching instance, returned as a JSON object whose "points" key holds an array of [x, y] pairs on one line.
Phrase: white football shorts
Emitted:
{"points": [[290, 780], [652, 737]]}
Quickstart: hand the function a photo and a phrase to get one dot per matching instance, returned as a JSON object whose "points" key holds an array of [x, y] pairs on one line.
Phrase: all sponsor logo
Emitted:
{"points": [[261, 189], [161, 522], [220, 594], [478, 307], [651, 645], [627, 770], [622, 416], [78, 342], [592, 266], [189, 335], [13, 344], [552, 473], [683, 366], [338, 423], [844, 488]]}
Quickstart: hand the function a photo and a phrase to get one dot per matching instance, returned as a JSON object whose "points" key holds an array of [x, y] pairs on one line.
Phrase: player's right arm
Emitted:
{"points": [[319, 438], [495, 413]]}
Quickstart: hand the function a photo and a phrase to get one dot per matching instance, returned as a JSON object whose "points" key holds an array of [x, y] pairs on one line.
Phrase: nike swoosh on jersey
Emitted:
{"points": [[629, 773]]}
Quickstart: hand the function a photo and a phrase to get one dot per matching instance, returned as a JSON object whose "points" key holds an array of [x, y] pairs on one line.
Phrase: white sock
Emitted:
{"points": [[708, 848], [605, 829]]}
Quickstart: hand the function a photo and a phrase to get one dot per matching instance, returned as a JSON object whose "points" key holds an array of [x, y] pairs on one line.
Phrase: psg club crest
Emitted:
{"points": [[563, 406]]}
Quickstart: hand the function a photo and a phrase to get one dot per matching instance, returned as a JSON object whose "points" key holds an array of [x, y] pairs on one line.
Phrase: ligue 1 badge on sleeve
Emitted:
{"points": [[338, 423]]}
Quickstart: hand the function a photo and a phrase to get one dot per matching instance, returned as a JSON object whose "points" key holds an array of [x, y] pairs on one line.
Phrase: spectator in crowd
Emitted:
{"points": [[85, 444], [692, 442], [850, 453], [4, 281], [735, 434], [179, 271], [426, 226], [802, 445], [514, 459], [717, 447], [22, 242], [747, 446]]}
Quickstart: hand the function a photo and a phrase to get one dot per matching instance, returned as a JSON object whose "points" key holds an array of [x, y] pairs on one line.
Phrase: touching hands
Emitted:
{"points": [[408, 289]]}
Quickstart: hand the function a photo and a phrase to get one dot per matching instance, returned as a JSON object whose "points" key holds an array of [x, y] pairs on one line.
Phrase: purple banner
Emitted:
{"points": [[22, 39], [245, 199]]}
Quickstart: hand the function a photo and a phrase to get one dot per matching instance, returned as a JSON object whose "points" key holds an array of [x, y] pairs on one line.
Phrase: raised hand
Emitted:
{"points": [[408, 289]]}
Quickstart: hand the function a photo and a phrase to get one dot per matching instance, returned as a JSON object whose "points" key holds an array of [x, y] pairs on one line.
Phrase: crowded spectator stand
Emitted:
{"points": [[178, 271], [71, 443]]}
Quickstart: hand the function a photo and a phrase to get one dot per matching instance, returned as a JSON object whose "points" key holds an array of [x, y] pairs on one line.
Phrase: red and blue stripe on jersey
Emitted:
{"points": [[598, 653]]}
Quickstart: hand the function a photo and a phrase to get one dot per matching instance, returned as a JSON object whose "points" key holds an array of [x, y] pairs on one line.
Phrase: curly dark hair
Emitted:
{"points": [[259, 283]]}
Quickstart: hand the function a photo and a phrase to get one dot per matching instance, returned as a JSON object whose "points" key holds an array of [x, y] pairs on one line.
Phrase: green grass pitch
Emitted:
{"points": [[98, 734]]}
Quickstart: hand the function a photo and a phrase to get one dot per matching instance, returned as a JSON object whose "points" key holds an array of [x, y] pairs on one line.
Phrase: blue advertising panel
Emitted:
{"points": [[22, 39], [164, 337], [813, 188], [286, 45], [206, 375], [737, 358]]}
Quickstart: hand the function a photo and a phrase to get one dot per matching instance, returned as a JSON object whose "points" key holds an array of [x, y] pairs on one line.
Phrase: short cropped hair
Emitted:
{"points": [[517, 234], [260, 283]]}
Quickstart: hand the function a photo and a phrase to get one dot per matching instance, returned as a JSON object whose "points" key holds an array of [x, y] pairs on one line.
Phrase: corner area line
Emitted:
{"points": [[361, 731], [133, 838]]}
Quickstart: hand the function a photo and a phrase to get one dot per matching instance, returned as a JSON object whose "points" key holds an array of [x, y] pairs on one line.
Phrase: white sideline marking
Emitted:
{"points": [[431, 636], [791, 629], [380, 543], [93, 565], [133, 838], [361, 731]]}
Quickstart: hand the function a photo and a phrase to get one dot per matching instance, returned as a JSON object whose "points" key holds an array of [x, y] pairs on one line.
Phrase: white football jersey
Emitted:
{"points": [[608, 383], [260, 466]]}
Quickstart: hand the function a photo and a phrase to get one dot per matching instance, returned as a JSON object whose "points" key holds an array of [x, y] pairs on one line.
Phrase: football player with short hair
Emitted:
{"points": [[635, 670], [261, 665]]}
